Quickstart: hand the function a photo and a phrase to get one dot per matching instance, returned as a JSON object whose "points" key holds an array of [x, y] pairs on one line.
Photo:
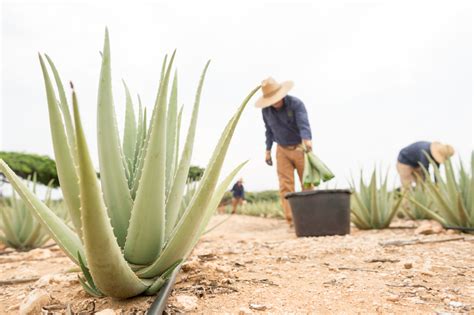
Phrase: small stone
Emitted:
{"points": [[393, 298], [456, 304], [107, 311], [187, 303], [427, 273], [190, 266], [257, 307], [408, 265], [244, 311], [429, 227], [34, 301]]}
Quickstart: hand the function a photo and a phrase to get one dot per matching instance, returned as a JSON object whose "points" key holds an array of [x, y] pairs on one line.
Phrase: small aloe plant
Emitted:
{"points": [[373, 206], [19, 228], [412, 209], [452, 197], [129, 231]]}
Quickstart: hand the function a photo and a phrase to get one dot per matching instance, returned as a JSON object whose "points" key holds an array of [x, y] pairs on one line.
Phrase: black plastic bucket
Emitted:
{"points": [[321, 212]]}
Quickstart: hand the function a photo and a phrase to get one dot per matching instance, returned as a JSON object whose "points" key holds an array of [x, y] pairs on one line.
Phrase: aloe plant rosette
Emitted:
{"points": [[129, 233]]}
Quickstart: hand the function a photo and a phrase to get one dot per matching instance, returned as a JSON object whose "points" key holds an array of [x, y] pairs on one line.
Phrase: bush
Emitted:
{"points": [[25, 165]]}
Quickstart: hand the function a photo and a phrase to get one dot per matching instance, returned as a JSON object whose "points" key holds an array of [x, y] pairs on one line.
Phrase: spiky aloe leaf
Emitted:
{"points": [[64, 109], [63, 153], [181, 240], [141, 158], [316, 162], [172, 135], [161, 280], [112, 172], [375, 211], [59, 231], [179, 183], [178, 132], [110, 271], [146, 234], [87, 282], [130, 129]]}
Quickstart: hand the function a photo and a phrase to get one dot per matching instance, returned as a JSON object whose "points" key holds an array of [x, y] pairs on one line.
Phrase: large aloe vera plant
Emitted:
{"points": [[128, 232], [373, 205], [19, 228], [452, 196]]}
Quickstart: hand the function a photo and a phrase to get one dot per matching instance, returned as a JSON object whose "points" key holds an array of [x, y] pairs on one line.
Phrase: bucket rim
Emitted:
{"points": [[316, 192]]}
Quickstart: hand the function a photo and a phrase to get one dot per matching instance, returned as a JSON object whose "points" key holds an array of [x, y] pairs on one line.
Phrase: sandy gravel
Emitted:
{"points": [[255, 265]]}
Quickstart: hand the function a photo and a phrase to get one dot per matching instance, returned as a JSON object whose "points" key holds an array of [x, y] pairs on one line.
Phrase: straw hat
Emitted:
{"points": [[273, 92], [441, 152]]}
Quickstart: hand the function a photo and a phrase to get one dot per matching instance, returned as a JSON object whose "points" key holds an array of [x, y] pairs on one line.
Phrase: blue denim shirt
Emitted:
{"points": [[413, 154], [287, 125]]}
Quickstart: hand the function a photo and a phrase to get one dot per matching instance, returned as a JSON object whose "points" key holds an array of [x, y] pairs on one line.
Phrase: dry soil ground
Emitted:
{"points": [[256, 265]]}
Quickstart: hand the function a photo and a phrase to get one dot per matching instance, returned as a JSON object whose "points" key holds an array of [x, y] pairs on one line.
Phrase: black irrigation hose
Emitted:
{"points": [[159, 305], [459, 228]]}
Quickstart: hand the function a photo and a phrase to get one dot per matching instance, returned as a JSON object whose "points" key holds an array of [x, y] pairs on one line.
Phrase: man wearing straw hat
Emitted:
{"points": [[412, 157], [286, 123]]}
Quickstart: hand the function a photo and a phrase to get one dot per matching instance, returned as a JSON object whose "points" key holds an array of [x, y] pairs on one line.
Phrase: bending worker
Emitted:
{"points": [[286, 123], [412, 157], [238, 195]]}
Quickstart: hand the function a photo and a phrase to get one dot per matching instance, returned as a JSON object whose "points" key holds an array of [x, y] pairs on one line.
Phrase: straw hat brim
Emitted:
{"points": [[266, 101], [441, 152]]}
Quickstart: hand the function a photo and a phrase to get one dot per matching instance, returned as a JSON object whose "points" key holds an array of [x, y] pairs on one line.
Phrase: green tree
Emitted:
{"points": [[25, 165]]}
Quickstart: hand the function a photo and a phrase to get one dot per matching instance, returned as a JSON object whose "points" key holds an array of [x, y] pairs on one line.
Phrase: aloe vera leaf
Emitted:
{"points": [[112, 172], [59, 231], [146, 234], [130, 129], [139, 142], [216, 199], [110, 271], [463, 215], [141, 159], [171, 136], [66, 114], [393, 210], [307, 172], [178, 134], [179, 183], [181, 239], [450, 214], [375, 218], [161, 280], [430, 212], [358, 221], [88, 288], [63, 154], [325, 172], [8, 228]]}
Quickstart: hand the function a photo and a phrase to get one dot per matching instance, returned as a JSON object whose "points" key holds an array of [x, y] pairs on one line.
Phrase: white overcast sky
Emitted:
{"points": [[374, 75]]}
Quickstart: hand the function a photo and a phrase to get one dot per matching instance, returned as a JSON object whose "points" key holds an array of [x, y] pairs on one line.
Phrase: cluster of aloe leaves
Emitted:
{"points": [[373, 205], [19, 228], [130, 230], [451, 196]]}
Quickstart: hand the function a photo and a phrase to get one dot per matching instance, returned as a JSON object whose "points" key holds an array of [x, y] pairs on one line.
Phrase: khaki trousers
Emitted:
{"points": [[409, 174], [289, 159]]}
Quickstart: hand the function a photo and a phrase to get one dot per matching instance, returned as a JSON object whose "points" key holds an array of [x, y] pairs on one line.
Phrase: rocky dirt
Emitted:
{"points": [[254, 265]]}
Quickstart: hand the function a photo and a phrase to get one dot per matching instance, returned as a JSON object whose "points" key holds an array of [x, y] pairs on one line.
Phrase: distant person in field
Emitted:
{"points": [[286, 123], [413, 156], [238, 195]]}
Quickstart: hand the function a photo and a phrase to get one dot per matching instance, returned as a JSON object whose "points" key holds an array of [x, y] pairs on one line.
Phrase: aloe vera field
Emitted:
{"points": [[246, 157]]}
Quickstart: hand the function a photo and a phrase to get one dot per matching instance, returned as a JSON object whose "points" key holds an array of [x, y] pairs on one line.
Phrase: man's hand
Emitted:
{"points": [[268, 158], [308, 144]]}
